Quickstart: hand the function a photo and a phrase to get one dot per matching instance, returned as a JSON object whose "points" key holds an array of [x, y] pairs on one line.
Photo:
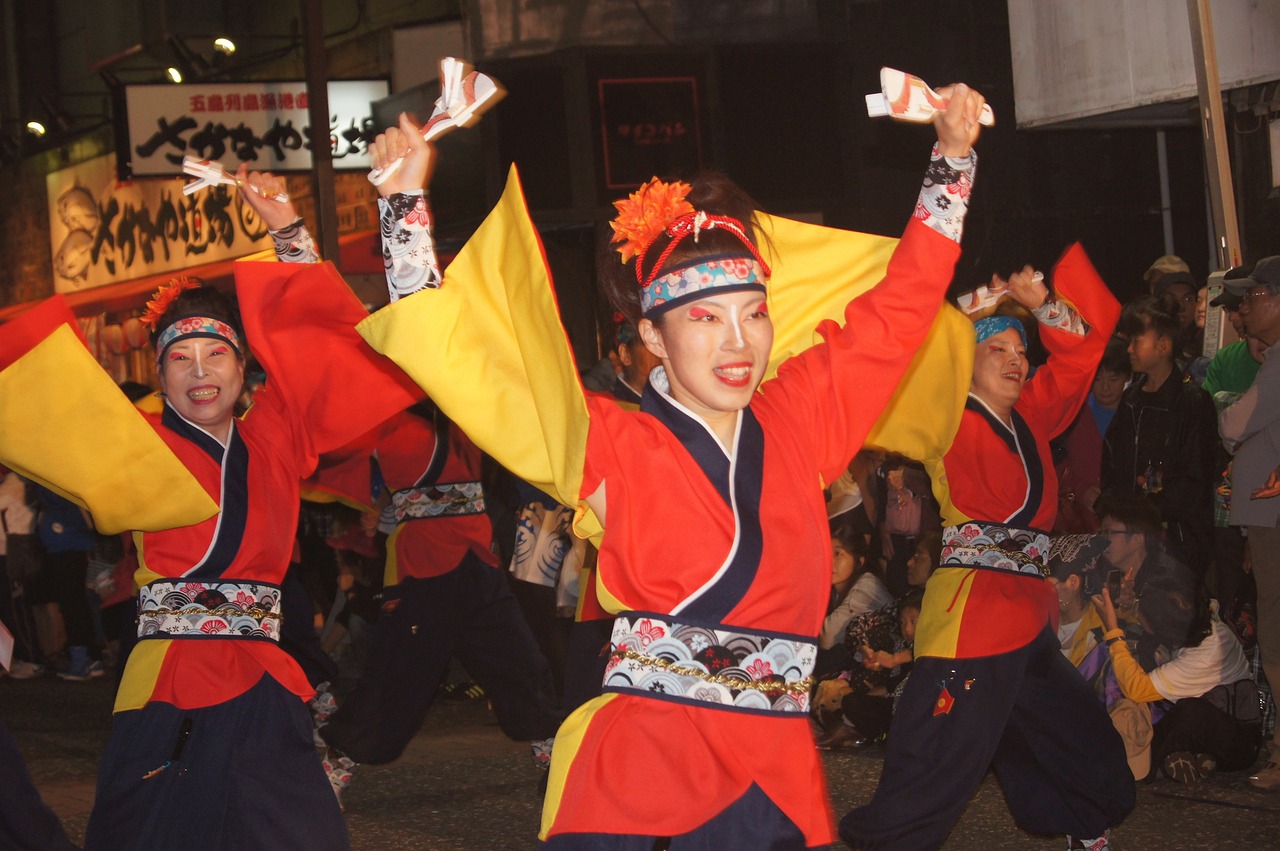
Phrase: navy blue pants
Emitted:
{"points": [[1029, 715], [469, 613], [26, 822], [753, 821], [241, 774]]}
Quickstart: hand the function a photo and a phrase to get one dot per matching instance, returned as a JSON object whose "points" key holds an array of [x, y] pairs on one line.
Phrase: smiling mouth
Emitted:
{"points": [[1013, 376], [735, 375], [203, 394]]}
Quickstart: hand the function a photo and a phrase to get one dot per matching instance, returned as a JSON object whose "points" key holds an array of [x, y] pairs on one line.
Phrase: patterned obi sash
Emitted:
{"points": [[447, 499], [996, 546], [226, 609], [728, 668]]}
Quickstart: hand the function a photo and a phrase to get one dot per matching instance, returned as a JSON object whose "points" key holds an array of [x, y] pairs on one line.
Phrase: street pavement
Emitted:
{"points": [[462, 785]]}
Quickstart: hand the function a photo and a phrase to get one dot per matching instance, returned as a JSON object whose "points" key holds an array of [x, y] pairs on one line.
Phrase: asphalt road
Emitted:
{"points": [[463, 785]]}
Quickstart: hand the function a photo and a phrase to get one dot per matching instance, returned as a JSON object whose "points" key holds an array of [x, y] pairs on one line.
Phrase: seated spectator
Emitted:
{"points": [[867, 710], [1214, 721], [1073, 571], [909, 509], [1160, 443], [925, 560], [855, 589], [1079, 479], [1132, 528]]}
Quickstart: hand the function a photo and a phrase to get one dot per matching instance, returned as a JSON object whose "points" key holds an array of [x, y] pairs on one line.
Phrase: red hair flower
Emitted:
{"points": [[164, 297], [645, 213]]}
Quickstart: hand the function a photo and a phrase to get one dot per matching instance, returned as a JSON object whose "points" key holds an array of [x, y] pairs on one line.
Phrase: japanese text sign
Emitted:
{"points": [[264, 124]]}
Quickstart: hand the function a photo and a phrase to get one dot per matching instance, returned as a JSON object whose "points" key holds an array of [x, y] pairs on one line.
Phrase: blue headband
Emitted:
{"points": [[992, 325]]}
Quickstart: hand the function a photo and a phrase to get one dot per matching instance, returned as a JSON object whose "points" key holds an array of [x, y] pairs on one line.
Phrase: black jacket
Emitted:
{"points": [[1162, 444]]}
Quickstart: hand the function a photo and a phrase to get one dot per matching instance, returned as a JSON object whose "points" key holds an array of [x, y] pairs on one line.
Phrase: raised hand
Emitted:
{"points": [[417, 157], [1026, 287], [957, 125], [265, 193]]}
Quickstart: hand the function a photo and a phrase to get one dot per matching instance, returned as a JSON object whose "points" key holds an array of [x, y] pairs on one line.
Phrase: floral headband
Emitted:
{"points": [[185, 326], [657, 208]]}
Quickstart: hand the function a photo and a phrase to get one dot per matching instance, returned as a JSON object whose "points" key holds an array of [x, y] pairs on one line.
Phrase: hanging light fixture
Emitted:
{"points": [[35, 128], [174, 75], [225, 46]]}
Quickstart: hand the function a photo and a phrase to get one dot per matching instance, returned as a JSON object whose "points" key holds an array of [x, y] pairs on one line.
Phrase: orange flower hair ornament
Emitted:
{"points": [[164, 297], [644, 215]]}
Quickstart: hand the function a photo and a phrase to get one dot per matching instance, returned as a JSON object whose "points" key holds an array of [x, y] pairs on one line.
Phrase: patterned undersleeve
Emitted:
{"points": [[728, 668], [944, 197], [1056, 313], [408, 245], [294, 244]]}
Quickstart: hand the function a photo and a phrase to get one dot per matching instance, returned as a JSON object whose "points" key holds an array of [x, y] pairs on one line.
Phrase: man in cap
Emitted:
{"points": [[1251, 429]]}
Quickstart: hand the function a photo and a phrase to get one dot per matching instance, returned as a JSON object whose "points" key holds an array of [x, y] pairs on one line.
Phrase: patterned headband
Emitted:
{"points": [[992, 325], [197, 326], [659, 208], [687, 283]]}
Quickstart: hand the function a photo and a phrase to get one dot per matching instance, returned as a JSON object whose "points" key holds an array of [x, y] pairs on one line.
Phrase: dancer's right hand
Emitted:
{"points": [[419, 157], [957, 125]]}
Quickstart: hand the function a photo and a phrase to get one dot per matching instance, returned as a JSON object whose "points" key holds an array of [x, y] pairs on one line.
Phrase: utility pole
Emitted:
{"points": [[1222, 199], [318, 114]]}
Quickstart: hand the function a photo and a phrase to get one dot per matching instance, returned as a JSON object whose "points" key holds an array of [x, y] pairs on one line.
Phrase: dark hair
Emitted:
{"points": [[931, 542], [1115, 358], [1136, 513], [851, 539], [712, 193], [910, 600], [855, 542], [1177, 611], [203, 300], [1149, 314]]}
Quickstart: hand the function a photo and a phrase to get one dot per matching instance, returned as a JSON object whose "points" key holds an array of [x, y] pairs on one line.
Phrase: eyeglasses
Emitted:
{"points": [[1256, 293], [1110, 532]]}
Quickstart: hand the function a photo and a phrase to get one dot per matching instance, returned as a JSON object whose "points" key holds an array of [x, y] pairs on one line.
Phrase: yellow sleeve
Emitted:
{"points": [[64, 424], [488, 348], [1134, 682]]}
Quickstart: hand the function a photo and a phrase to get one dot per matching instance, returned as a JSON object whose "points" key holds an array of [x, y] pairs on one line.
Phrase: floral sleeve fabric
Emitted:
{"points": [[294, 244], [1061, 315], [408, 246], [944, 197]]}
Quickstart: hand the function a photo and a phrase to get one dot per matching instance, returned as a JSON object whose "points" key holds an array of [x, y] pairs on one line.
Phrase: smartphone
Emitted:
{"points": [[1114, 579]]}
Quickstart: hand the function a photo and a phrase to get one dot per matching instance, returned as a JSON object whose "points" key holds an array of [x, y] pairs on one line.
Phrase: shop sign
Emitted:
{"points": [[104, 231], [264, 124]]}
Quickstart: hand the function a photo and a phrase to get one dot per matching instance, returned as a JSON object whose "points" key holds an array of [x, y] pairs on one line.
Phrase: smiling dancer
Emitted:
{"points": [[715, 557], [990, 687], [211, 743]]}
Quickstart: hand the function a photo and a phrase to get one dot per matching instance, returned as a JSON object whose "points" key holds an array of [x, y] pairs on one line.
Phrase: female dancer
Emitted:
{"points": [[211, 743], [716, 556]]}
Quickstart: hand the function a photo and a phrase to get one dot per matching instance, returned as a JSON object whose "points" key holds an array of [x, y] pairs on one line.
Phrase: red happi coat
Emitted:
{"points": [[686, 539], [993, 477], [325, 385], [405, 448]]}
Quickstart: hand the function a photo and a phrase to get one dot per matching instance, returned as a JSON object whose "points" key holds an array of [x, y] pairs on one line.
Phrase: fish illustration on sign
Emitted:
{"points": [[78, 210]]}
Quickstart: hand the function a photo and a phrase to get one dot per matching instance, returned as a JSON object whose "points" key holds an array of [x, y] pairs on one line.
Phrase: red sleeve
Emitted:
{"points": [[22, 333], [347, 472], [837, 389], [1053, 396], [322, 377]]}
